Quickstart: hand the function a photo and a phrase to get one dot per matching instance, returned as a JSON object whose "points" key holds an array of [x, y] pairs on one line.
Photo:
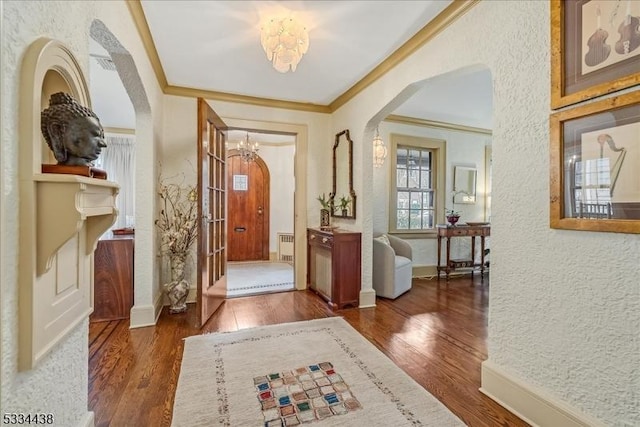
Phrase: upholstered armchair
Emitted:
{"points": [[392, 265]]}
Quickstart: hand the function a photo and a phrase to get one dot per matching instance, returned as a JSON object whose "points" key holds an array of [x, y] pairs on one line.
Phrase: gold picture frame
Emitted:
{"points": [[594, 164], [595, 49]]}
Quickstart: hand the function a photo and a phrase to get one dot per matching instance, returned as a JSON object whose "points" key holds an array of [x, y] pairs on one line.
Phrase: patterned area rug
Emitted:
{"points": [[318, 372], [251, 278]]}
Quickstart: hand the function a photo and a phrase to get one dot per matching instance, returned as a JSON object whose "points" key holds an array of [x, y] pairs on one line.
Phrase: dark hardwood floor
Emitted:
{"points": [[435, 333]]}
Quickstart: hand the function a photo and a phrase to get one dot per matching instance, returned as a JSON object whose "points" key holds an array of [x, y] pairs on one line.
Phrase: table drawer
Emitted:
{"points": [[319, 239]]}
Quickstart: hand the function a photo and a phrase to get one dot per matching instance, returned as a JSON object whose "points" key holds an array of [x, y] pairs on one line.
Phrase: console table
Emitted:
{"points": [[333, 265], [473, 231]]}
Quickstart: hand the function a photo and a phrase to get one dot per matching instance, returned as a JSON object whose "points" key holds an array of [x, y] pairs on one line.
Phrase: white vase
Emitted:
{"points": [[178, 289]]}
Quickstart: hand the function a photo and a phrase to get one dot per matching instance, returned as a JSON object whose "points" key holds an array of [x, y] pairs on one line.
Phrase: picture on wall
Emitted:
{"points": [[595, 48], [595, 159]]}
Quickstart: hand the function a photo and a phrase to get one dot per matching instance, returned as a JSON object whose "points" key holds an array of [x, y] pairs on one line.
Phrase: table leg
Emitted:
{"points": [[473, 254], [481, 258], [439, 256], [448, 255]]}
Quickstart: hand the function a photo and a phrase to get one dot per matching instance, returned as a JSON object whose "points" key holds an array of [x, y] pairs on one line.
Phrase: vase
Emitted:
{"points": [[178, 289], [324, 218], [452, 219]]}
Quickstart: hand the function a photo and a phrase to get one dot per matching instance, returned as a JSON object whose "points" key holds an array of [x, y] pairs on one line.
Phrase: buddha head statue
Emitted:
{"points": [[72, 131]]}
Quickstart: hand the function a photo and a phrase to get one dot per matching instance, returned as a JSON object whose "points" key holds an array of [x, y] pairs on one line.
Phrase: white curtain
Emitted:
{"points": [[118, 158]]}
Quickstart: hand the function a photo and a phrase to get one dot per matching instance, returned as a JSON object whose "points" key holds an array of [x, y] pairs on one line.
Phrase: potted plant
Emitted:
{"points": [[344, 205], [325, 211], [452, 216]]}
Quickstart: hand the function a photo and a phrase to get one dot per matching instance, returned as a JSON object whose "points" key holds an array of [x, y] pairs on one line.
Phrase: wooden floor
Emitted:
{"points": [[435, 333]]}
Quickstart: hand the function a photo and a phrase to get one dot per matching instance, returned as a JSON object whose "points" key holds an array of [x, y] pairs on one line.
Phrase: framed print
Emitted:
{"points": [[595, 166], [595, 48]]}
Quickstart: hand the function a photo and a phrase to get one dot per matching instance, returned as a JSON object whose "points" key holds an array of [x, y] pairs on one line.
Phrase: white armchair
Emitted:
{"points": [[392, 266]]}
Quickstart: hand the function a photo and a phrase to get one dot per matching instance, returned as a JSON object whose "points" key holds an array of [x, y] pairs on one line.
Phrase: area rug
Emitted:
{"points": [[317, 373], [251, 278]]}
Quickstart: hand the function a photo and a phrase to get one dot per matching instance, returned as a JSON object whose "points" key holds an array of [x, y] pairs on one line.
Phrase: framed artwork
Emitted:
{"points": [[595, 48], [595, 166]]}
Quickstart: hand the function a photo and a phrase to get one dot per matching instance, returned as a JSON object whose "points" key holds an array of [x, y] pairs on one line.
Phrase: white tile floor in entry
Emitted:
{"points": [[257, 277]]}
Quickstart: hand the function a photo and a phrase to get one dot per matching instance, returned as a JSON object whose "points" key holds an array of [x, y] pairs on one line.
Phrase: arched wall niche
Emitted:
{"points": [[48, 67], [61, 215]]}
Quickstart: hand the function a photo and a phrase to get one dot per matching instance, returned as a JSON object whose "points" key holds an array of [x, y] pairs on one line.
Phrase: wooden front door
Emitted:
{"points": [[212, 253], [248, 214]]}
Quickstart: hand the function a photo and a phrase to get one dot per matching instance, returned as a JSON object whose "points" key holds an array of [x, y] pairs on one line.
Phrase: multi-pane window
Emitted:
{"points": [[416, 199], [415, 189]]}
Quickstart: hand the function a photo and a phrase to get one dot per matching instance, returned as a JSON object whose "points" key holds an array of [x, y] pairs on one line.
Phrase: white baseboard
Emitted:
{"points": [[367, 298], [146, 315], [424, 271], [88, 420], [530, 403]]}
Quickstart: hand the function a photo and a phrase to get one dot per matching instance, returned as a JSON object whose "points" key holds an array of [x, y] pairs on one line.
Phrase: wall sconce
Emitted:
{"points": [[379, 150]]}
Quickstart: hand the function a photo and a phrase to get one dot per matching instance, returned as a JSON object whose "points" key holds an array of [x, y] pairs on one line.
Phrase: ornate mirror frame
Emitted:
{"points": [[341, 163]]}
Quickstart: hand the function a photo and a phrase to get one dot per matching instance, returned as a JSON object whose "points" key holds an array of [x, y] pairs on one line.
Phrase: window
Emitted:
{"points": [[417, 184]]}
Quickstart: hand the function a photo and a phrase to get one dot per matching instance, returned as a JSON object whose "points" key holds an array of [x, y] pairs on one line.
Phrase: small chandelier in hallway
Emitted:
{"points": [[248, 150], [284, 40]]}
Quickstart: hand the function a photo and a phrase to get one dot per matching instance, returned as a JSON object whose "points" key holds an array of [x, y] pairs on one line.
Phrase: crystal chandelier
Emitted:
{"points": [[284, 40], [379, 150], [248, 150]]}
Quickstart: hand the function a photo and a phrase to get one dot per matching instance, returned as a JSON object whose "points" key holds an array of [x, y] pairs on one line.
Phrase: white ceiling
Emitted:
{"points": [[215, 46]]}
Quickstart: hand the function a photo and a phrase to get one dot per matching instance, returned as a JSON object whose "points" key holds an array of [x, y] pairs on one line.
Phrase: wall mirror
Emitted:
{"points": [[343, 198], [464, 184]]}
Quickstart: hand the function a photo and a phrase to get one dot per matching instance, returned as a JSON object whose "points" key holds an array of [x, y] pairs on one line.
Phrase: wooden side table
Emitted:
{"points": [[473, 231]]}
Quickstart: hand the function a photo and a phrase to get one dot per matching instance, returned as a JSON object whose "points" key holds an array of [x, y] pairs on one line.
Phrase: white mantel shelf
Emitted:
{"points": [[66, 203]]}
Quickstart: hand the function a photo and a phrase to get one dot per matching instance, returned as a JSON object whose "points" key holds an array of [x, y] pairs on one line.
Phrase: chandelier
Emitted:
{"points": [[284, 40], [379, 150], [248, 150]]}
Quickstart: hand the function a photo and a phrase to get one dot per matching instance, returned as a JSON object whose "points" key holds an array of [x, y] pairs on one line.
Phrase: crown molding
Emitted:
{"points": [[447, 17], [244, 99], [405, 120], [135, 8], [429, 31]]}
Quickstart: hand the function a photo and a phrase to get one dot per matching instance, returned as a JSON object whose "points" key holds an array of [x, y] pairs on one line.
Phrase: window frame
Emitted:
{"points": [[438, 153]]}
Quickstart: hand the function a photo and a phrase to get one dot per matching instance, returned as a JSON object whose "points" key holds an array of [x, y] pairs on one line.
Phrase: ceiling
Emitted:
{"points": [[215, 46]]}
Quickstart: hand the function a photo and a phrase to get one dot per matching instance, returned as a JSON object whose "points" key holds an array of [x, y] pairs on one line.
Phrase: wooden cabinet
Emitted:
{"points": [[113, 279], [472, 231], [333, 265]]}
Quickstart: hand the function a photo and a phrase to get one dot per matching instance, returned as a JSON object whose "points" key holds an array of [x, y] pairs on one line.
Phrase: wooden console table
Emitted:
{"points": [[333, 265], [473, 231]]}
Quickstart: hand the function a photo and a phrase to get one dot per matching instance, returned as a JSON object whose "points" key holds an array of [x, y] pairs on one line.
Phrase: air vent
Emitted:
{"points": [[105, 62]]}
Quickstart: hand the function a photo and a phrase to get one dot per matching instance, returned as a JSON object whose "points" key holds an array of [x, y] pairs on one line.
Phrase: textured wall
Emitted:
{"points": [[59, 384], [564, 305]]}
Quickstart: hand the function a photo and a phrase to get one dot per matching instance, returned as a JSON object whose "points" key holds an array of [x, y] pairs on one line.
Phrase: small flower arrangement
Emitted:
{"points": [[326, 203], [178, 219]]}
